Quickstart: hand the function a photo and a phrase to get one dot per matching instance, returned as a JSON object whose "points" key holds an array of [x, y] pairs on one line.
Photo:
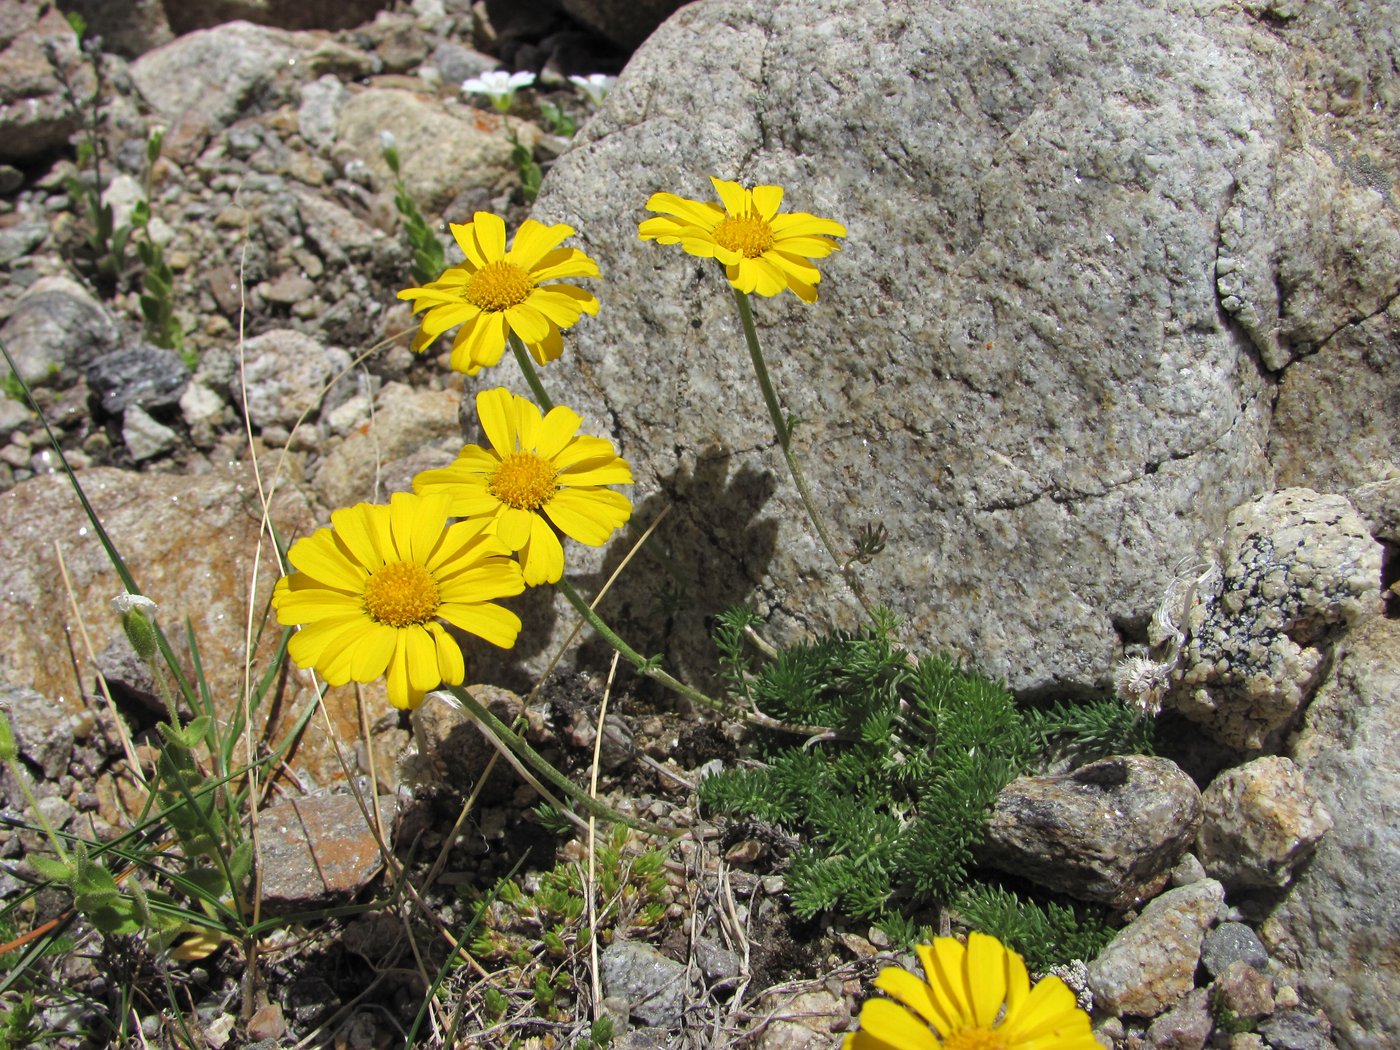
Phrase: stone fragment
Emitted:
{"points": [[189, 15], [203, 81], [810, 1020], [35, 119], [43, 730], [286, 375], [56, 323], [319, 110], [1333, 935], [144, 437], [1299, 567], [1109, 831], [1259, 821], [143, 375], [1186, 1026], [1151, 963], [1297, 1029], [444, 147], [129, 29], [317, 850], [1232, 942], [414, 430], [1378, 503], [652, 984], [1244, 991]]}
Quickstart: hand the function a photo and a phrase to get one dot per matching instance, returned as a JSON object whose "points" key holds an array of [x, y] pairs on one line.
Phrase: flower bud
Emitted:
{"points": [[136, 610]]}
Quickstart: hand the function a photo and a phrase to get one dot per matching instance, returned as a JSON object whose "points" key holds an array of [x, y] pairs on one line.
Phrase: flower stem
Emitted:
{"points": [[542, 766], [650, 669], [784, 432], [528, 368]]}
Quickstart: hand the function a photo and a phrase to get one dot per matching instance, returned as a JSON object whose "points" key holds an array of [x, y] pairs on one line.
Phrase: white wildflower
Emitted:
{"points": [[596, 86], [125, 603], [1142, 683], [498, 85]]}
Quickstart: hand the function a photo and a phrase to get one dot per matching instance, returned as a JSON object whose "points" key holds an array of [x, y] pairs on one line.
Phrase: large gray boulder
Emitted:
{"points": [[1335, 933], [1020, 362]]}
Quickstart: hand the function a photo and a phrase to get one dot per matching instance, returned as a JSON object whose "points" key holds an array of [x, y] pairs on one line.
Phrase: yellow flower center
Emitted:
{"points": [[975, 1039], [498, 286], [748, 235], [524, 481], [401, 595]]}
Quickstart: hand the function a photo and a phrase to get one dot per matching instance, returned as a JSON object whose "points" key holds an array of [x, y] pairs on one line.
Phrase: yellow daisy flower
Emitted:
{"points": [[762, 251], [538, 472], [369, 591], [976, 997], [496, 291]]}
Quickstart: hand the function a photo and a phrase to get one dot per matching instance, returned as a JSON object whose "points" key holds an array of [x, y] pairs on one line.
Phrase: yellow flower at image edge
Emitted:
{"points": [[538, 475], [369, 591], [762, 250], [977, 997], [496, 291]]}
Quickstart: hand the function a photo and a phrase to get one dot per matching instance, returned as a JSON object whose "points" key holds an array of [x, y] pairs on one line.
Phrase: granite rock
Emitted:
{"points": [[1107, 832], [286, 375], [1018, 363], [35, 119], [1151, 963], [56, 323], [1334, 934], [1259, 821], [1299, 567]]}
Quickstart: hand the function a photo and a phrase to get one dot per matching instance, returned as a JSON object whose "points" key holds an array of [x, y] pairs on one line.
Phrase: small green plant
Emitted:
{"points": [[427, 261], [1092, 730], [1044, 934], [19, 1023], [529, 170], [157, 279], [106, 243], [13, 388], [893, 804], [559, 121]]}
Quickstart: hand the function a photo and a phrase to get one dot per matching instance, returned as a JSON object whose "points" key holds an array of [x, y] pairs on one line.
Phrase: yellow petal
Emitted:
{"points": [[513, 527], [496, 410], [559, 425], [527, 322], [541, 556], [493, 623], [737, 200], [448, 654], [943, 966], [588, 515], [892, 1024], [985, 978], [490, 233], [372, 652], [534, 240], [767, 200], [692, 212]]}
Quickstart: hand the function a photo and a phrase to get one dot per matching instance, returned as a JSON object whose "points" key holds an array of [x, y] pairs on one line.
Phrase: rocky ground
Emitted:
{"points": [[274, 209]]}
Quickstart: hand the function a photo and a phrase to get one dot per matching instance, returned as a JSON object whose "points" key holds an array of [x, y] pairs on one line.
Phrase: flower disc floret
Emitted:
{"points": [[372, 592], [498, 291], [973, 997], [763, 249], [538, 475]]}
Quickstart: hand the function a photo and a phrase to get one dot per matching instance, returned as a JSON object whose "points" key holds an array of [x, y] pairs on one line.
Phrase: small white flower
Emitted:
{"points": [[1142, 683], [124, 603], [596, 86], [497, 84], [386, 140]]}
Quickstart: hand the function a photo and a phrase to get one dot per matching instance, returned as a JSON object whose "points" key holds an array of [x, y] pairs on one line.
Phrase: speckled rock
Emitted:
{"points": [[1298, 567], [1334, 419], [1108, 832], [1259, 821], [1334, 935], [1186, 1026], [652, 984], [34, 117], [1245, 991], [445, 148], [1151, 963], [1018, 363], [190, 543], [318, 850], [56, 323], [286, 375], [414, 430], [1378, 503], [145, 438], [1232, 942], [807, 1020]]}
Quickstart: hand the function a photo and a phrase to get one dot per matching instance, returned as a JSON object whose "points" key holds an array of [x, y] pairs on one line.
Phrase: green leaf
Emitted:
{"points": [[51, 869]]}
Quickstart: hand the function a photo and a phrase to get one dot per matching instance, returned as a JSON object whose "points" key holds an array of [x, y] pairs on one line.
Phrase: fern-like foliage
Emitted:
{"points": [[1043, 934], [1092, 730], [891, 811]]}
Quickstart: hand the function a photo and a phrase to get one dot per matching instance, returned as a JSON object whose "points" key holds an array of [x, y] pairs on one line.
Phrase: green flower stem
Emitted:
{"points": [[517, 743], [532, 377], [649, 669], [784, 432], [21, 777]]}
